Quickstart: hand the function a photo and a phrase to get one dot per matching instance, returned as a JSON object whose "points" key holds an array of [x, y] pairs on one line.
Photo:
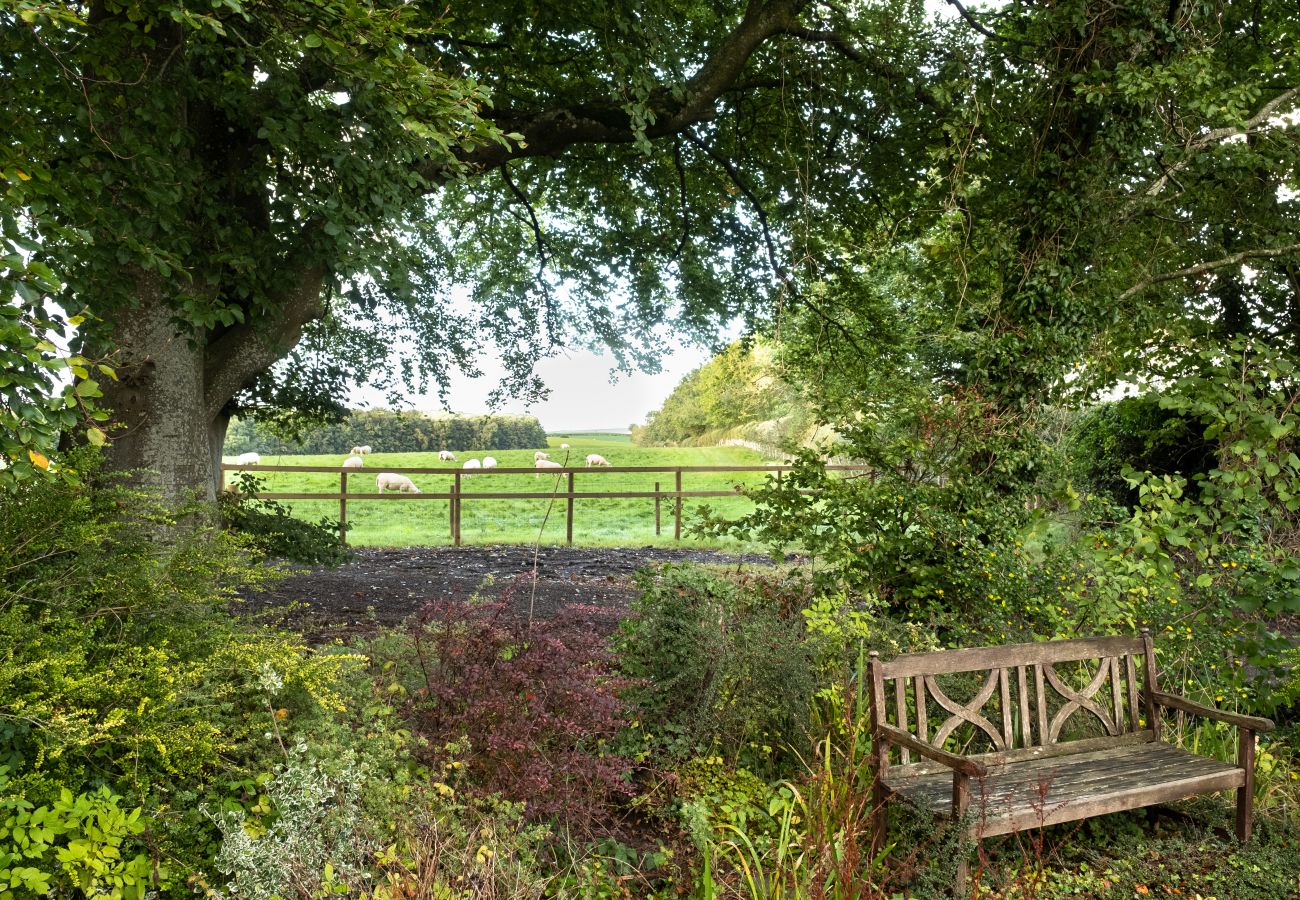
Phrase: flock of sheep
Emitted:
{"points": [[390, 481]]}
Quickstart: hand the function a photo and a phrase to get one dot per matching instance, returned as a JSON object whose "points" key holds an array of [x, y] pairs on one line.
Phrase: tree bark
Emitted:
{"points": [[171, 403], [159, 432]]}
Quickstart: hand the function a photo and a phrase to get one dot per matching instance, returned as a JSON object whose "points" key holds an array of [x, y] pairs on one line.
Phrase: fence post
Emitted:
{"points": [[657, 530], [343, 508], [456, 502], [677, 528], [451, 511], [569, 527]]}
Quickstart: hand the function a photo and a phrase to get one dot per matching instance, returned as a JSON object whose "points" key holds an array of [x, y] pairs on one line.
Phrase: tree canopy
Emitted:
{"points": [[255, 204]]}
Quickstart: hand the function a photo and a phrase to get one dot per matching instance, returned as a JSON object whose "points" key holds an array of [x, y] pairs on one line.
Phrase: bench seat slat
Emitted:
{"points": [[1064, 788], [997, 758], [1062, 770]]}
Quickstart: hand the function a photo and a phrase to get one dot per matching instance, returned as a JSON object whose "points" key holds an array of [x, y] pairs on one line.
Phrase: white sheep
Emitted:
{"points": [[353, 462], [595, 459], [387, 481], [472, 464], [248, 459], [539, 455], [356, 451], [564, 446], [364, 448], [446, 456], [548, 464], [489, 462]]}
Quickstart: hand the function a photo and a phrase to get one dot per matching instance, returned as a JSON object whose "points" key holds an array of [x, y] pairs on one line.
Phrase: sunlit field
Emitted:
{"points": [[612, 522]]}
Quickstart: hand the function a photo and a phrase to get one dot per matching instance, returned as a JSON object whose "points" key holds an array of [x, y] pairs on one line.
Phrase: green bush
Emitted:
{"points": [[1135, 433], [85, 843], [120, 666], [272, 528], [934, 531], [717, 671]]}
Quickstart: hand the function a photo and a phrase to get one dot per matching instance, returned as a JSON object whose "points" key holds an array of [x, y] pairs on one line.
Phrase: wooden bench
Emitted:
{"points": [[1063, 730]]}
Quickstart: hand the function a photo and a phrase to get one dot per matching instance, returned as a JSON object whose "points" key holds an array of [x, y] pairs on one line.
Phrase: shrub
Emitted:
{"points": [[718, 668], [272, 528], [1135, 433], [84, 843], [316, 843], [447, 846], [120, 666], [936, 532], [536, 709]]}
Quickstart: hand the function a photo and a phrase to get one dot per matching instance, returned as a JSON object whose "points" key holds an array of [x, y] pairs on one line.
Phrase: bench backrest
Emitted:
{"points": [[1023, 703]]}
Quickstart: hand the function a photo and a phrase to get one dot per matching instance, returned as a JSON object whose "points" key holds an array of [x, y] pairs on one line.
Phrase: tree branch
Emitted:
{"points": [[727, 166], [233, 360], [974, 22], [1192, 147], [874, 64], [538, 237], [1200, 268], [549, 132], [682, 196]]}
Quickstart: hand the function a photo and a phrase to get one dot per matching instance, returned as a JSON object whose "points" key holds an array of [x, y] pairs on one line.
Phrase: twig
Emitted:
{"points": [[1200, 268], [537, 546], [974, 23]]}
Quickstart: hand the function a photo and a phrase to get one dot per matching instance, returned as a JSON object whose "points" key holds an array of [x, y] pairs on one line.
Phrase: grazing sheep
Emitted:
{"points": [[248, 459], [387, 481], [353, 462], [356, 451], [364, 448], [472, 464], [595, 459], [564, 446], [540, 455], [548, 464], [489, 462], [446, 456]]}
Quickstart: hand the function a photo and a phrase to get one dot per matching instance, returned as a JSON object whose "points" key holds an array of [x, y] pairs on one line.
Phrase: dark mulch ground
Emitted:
{"points": [[381, 588]]}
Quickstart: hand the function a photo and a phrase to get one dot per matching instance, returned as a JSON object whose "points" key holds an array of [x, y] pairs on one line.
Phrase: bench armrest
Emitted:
{"points": [[1173, 701], [953, 761]]}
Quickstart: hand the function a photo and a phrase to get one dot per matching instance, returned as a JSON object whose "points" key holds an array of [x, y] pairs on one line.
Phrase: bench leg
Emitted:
{"points": [[960, 802], [1246, 793], [879, 819]]}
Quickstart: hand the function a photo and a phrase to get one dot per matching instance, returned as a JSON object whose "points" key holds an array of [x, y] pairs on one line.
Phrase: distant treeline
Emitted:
{"points": [[738, 396], [389, 432]]}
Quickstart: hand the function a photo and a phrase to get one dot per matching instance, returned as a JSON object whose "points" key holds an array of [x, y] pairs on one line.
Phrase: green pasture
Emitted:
{"points": [[615, 522]]}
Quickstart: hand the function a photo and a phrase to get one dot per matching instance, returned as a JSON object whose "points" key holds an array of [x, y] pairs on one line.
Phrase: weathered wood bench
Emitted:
{"points": [[1056, 744]]}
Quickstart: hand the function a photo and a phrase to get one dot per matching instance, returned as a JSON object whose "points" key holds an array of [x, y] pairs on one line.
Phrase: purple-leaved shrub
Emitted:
{"points": [[538, 706]]}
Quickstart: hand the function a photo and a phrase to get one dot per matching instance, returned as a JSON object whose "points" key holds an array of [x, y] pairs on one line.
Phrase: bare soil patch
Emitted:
{"points": [[382, 588]]}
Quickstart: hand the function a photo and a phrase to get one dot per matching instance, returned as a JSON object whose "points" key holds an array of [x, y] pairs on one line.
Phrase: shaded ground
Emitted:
{"points": [[380, 588]]}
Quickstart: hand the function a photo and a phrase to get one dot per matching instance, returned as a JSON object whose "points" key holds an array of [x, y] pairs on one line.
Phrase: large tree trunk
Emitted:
{"points": [[160, 431], [217, 429], [171, 403]]}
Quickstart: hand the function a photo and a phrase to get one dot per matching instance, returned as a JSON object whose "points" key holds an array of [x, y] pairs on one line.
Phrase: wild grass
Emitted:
{"points": [[615, 522]]}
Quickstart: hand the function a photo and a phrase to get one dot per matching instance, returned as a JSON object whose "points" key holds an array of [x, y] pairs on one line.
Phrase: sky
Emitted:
{"points": [[583, 398]]}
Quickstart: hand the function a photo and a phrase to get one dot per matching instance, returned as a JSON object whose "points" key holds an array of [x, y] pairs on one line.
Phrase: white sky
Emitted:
{"points": [[582, 395]]}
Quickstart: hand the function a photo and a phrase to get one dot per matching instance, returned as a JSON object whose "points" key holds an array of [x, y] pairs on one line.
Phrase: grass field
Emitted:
{"points": [[615, 522]]}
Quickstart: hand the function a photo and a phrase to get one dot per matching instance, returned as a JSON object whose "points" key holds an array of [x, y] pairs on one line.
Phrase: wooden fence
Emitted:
{"points": [[457, 496]]}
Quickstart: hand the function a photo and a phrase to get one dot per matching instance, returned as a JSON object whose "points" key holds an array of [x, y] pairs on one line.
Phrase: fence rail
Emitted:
{"points": [[456, 496]]}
